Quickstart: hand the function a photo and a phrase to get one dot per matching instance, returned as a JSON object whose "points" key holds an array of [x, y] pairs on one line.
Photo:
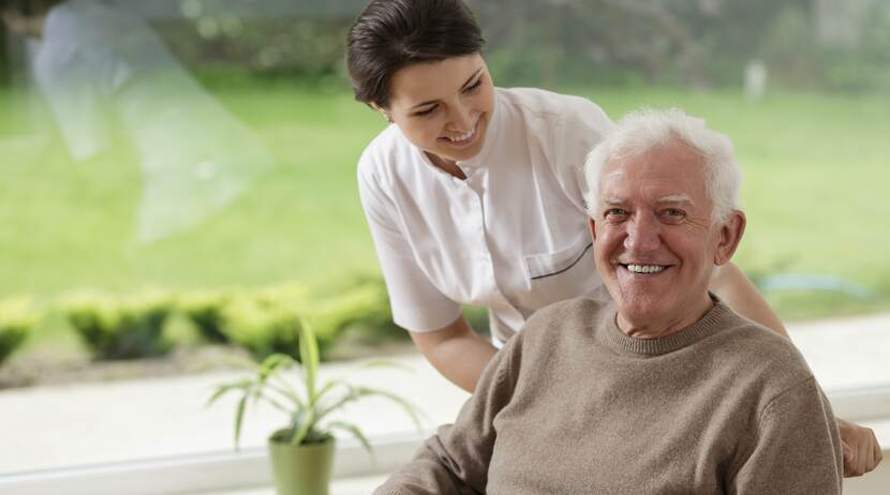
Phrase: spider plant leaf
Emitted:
{"points": [[354, 431], [308, 423], [239, 417], [329, 386], [309, 358], [226, 388], [383, 363], [351, 396], [287, 393], [275, 403], [406, 406], [272, 363]]}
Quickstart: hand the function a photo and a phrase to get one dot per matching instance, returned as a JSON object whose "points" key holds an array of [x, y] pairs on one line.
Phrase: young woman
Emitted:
{"points": [[473, 194]]}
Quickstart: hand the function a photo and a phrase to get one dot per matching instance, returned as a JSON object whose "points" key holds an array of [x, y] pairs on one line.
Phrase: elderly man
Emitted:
{"points": [[659, 388]]}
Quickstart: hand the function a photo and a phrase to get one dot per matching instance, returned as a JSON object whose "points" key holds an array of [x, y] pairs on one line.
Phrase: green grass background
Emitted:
{"points": [[816, 194]]}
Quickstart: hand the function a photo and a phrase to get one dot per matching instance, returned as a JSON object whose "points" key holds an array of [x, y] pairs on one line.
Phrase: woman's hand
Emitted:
{"points": [[862, 453]]}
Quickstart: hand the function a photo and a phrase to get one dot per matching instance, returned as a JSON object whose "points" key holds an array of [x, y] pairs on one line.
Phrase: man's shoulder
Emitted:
{"points": [[761, 356], [565, 317]]}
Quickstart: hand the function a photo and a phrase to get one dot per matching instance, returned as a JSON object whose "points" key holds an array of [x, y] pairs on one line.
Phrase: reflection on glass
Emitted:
{"points": [[104, 72]]}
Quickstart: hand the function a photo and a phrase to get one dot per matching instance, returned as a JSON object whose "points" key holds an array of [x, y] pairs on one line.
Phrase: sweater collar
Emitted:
{"points": [[710, 323]]}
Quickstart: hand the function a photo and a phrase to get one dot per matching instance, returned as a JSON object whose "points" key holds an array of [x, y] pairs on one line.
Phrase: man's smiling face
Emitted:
{"points": [[655, 243]]}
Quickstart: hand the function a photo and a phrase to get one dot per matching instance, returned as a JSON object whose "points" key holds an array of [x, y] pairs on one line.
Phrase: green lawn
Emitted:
{"points": [[815, 193]]}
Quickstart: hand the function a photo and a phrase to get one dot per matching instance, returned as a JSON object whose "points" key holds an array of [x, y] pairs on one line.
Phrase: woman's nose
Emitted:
{"points": [[462, 118]]}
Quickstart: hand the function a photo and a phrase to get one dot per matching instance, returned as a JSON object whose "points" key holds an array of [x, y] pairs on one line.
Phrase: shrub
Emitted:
{"points": [[264, 329], [16, 321], [363, 308], [205, 309], [267, 321], [120, 328]]}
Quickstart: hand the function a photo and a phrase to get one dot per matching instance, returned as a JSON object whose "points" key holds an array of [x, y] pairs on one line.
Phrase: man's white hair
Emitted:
{"points": [[643, 130]]}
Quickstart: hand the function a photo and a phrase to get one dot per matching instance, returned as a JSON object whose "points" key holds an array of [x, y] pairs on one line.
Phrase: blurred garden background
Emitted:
{"points": [[802, 87]]}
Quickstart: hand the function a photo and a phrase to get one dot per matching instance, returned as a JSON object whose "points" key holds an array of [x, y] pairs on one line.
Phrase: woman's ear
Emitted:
{"points": [[382, 111]]}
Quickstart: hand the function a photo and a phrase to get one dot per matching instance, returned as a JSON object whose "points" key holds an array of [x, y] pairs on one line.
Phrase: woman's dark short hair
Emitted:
{"points": [[391, 34]]}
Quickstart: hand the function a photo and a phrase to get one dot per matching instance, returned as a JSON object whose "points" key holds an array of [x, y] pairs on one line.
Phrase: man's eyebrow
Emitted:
{"points": [[676, 198], [468, 82], [613, 201]]}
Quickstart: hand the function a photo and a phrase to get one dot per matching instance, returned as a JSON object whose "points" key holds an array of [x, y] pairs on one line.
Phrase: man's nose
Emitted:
{"points": [[643, 234]]}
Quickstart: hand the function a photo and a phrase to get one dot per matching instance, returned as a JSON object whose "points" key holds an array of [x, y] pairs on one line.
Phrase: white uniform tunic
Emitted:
{"points": [[512, 237]]}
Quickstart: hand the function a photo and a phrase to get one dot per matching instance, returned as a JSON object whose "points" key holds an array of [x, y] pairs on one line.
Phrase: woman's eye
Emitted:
{"points": [[473, 87], [428, 111]]}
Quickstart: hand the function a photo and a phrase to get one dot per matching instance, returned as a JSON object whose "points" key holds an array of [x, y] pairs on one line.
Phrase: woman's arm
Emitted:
{"points": [[456, 351], [737, 291]]}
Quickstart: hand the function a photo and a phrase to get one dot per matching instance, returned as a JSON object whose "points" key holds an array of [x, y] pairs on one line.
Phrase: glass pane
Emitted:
{"points": [[178, 184]]}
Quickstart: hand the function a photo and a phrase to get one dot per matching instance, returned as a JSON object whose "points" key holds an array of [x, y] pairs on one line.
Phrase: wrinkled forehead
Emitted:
{"points": [[661, 175]]}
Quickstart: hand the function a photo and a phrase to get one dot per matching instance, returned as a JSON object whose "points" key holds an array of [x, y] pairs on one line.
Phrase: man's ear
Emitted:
{"points": [[591, 224], [730, 236]]}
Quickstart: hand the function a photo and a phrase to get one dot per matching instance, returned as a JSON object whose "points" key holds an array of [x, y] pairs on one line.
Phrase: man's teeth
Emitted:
{"points": [[645, 268]]}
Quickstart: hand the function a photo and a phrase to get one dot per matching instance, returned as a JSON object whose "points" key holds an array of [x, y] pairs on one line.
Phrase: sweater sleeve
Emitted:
{"points": [[455, 460], [797, 448]]}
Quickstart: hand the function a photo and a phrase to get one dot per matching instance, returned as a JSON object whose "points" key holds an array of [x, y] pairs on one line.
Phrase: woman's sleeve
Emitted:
{"points": [[455, 460], [581, 126], [417, 304]]}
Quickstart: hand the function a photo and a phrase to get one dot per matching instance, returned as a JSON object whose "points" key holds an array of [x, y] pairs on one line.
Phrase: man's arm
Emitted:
{"points": [[455, 460], [861, 450], [794, 447]]}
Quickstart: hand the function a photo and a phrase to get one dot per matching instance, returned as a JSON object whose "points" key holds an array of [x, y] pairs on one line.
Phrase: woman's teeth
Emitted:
{"points": [[645, 268], [462, 137]]}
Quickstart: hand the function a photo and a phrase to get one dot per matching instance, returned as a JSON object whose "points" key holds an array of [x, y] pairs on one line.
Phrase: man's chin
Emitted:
{"points": [[642, 313]]}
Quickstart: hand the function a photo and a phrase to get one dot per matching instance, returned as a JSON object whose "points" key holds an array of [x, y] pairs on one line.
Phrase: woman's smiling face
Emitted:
{"points": [[443, 107]]}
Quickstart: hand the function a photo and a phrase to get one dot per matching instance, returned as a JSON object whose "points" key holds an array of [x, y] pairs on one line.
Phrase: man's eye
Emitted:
{"points": [[673, 214], [426, 112], [615, 213]]}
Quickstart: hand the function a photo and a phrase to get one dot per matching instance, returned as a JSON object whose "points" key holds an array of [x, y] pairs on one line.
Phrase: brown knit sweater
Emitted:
{"points": [[572, 405]]}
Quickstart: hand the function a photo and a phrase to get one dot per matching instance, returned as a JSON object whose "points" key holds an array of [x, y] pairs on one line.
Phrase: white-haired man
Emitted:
{"points": [[659, 388]]}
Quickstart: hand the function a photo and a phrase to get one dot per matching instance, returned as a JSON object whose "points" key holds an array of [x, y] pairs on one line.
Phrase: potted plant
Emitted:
{"points": [[301, 453]]}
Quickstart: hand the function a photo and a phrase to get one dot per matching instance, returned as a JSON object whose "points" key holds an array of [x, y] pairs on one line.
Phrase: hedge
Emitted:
{"points": [[126, 327], [17, 319]]}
